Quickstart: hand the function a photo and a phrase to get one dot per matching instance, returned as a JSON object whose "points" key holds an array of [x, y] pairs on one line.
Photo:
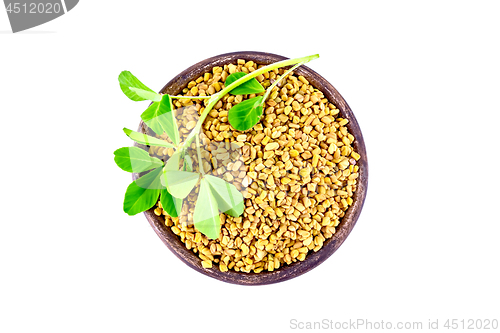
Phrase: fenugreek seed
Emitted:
{"points": [[268, 154], [294, 153], [241, 138], [270, 180], [260, 167], [190, 125], [343, 164], [303, 80], [285, 180], [315, 160], [306, 155], [343, 122], [272, 146], [252, 174], [223, 267], [307, 241], [206, 264]]}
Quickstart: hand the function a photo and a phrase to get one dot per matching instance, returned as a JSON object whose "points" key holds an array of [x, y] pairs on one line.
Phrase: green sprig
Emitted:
{"points": [[174, 180]]}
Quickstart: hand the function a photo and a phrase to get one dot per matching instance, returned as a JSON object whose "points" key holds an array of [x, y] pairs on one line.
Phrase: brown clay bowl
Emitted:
{"points": [[175, 86]]}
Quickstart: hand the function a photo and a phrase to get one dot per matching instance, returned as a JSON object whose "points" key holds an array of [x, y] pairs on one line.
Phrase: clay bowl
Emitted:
{"points": [[175, 86]]}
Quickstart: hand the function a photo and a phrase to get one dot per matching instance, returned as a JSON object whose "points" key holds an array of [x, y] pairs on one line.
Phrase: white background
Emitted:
{"points": [[422, 79]]}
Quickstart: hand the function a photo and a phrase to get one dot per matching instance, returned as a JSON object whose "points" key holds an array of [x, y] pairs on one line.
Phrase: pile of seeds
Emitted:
{"points": [[296, 168]]}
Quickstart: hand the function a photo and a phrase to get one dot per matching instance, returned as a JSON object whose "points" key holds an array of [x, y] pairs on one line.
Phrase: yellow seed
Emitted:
{"points": [[307, 241], [241, 138], [268, 154], [343, 164], [222, 267], [252, 174], [190, 125], [315, 160], [326, 221], [355, 155], [270, 180], [280, 195], [294, 153], [272, 146], [343, 122], [244, 249], [270, 266], [303, 80], [206, 264]]}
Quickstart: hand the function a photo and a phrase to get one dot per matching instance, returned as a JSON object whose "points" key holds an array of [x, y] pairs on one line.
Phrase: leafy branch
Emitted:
{"points": [[174, 180]]}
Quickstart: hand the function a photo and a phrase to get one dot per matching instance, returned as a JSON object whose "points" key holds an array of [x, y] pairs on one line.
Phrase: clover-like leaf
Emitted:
{"points": [[159, 116], [252, 86], [134, 159], [206, 213], [142, 194], [229, 199], [180, 183], [170, 204], [173, 161], [146, 139], [135, 89], [246, 114]]}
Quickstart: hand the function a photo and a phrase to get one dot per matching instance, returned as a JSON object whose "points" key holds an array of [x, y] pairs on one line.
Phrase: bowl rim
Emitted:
{"points": [[313, 259]]}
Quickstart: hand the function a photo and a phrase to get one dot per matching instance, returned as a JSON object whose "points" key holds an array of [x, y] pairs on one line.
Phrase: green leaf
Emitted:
{"points": [[135, 89], [246, 114], [188, 163], [143, 193], [134, 159], [160, 118], [252, 86], [147, 95], [229, 199], [170, 204], [173, 162], [146, 139], [180, 183], [206, 212]]}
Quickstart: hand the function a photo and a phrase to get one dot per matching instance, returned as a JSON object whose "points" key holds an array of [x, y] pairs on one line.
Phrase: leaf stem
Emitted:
{"points": [[268, 91], [267, 68], [216, 97], [198, 151]]}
